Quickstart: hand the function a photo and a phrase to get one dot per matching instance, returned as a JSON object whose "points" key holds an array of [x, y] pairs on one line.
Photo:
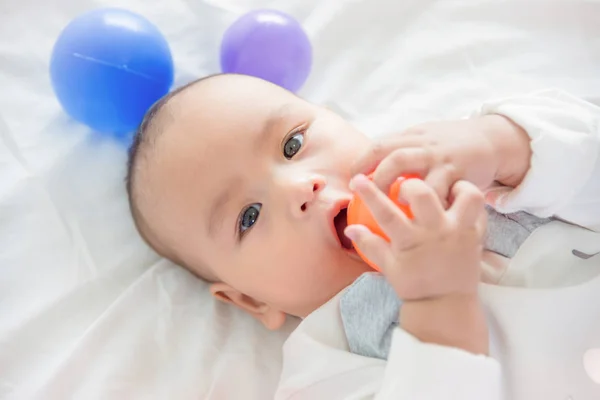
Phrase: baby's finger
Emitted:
{"points": [[402, 161], [387, 214], [373, 155], [468, 203], [372, 246], [369, 159], [481, 225], [424, 202], [441, 180]]}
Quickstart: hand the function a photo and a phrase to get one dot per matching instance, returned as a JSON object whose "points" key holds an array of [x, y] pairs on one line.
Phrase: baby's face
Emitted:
{"points": [[248, 179]]}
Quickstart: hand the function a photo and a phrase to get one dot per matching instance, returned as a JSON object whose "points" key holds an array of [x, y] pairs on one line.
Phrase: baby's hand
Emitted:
{"points": [[438, 252], [481, 151]]}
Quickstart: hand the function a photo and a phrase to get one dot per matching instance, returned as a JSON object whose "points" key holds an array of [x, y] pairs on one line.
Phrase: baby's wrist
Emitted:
{"points": [[455, 320], [511, 147]]}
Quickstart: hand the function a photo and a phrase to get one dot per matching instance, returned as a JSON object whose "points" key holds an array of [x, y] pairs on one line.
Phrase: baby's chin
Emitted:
{"points": [[349, 269]]}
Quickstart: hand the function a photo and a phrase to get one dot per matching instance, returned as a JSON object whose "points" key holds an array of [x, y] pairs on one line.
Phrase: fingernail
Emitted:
{"points": [[400, 199], [352, 232], [357, 179]]}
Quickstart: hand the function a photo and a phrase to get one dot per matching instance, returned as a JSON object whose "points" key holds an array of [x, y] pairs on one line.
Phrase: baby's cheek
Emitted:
{"points": [[354, 142], [340, 151]]}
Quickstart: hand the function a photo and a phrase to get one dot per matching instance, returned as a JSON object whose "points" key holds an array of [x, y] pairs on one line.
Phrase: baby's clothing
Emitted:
{"points": [[539, 340], [507, 232], [543, 312], [370, 307]]}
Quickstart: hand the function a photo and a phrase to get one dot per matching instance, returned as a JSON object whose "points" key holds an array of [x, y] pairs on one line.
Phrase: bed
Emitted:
{"points": [[87, 311]]}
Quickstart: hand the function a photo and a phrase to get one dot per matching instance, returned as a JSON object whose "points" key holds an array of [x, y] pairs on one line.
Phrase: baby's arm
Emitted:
{"points": [[433, 264], [428, 359], [563, 179], [422, 370], [544, 145]]}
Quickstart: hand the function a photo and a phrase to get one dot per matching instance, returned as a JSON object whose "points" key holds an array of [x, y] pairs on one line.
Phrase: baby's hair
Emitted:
{"points": [[144, 139]]}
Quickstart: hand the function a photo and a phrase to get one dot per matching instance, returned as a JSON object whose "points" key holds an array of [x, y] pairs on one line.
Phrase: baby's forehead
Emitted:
{"points": [[217, 118], [227, 112], [233, 93]]}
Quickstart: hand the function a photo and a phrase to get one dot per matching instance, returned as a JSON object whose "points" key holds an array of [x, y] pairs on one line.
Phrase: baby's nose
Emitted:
{"points": [[306, 193]]}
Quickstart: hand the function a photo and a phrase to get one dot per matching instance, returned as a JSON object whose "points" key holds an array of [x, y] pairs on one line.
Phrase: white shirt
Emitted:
{"points": [[544, 327]]}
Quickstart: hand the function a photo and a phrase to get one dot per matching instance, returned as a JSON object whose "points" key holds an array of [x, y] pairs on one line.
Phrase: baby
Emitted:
{"points": [[246, 185]]}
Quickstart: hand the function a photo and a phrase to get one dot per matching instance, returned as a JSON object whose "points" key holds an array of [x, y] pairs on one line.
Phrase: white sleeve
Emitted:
{"points": [[418, 370], [314, 369], [564, 177]]}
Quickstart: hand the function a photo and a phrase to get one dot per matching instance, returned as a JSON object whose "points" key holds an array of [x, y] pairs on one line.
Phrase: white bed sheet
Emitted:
{"points": [[86, 310]]}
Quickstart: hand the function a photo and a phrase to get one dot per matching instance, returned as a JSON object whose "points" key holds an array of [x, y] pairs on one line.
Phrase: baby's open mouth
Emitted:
{"points": [[341, 221]]}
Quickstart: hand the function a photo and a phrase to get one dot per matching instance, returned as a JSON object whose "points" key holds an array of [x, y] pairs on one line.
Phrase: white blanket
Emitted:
{"points": [[89, 312]]}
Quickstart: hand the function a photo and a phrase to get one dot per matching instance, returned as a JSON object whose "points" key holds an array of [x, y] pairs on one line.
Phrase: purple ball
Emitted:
{"points": [[268, 44]]}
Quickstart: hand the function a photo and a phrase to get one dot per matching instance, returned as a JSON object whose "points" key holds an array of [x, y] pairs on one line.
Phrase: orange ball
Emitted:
{"points": [[358, 213]]}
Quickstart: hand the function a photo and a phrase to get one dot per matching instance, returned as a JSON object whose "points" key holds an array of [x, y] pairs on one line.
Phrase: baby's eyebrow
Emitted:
{"points": [[218, 207], [269, 126]]}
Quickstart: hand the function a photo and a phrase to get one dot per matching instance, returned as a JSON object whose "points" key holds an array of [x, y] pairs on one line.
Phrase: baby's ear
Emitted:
{"points": [[270, 317]]}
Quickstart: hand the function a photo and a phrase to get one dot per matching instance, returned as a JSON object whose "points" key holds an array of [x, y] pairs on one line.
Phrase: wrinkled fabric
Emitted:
{"points": [[86, 310]]}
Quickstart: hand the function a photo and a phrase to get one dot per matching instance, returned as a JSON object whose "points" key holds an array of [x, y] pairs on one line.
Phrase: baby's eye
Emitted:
{"points": [[293, 145], [248, 217]]}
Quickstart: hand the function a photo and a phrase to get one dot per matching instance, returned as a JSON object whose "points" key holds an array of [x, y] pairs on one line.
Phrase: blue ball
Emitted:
{"points": [[108, 67]]}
